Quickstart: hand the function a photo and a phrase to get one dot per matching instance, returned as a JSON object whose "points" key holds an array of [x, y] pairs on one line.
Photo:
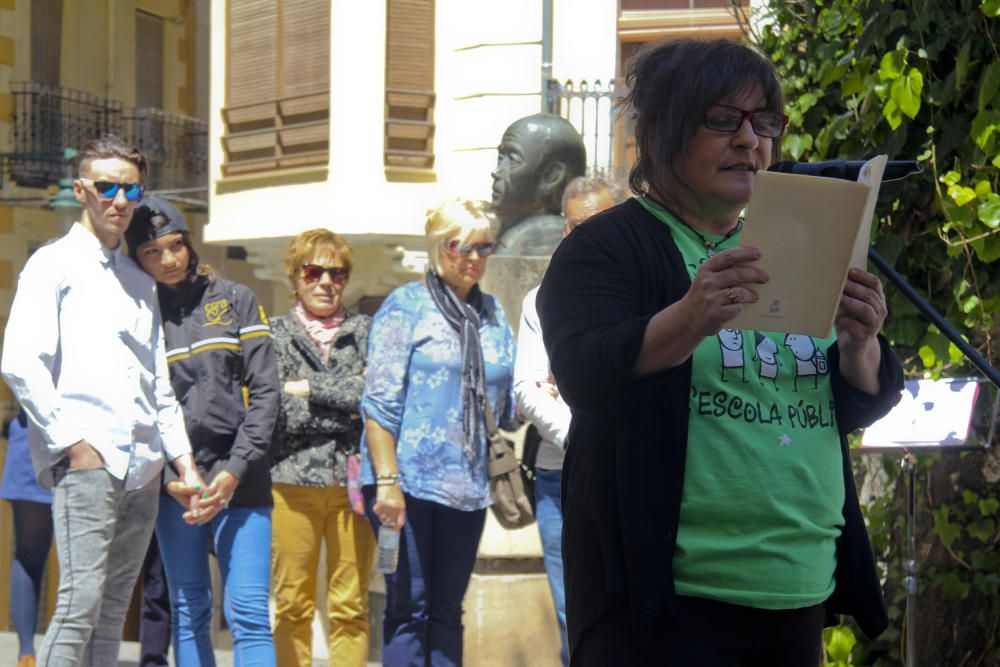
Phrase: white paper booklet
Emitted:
{"points": [[809, 230]]}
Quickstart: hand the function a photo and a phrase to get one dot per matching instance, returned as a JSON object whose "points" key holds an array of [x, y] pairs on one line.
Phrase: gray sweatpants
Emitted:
{"points": [[101, 532]]}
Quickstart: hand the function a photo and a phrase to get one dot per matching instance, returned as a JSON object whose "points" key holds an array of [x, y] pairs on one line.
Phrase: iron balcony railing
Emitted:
{"points": [[594, 110], [47, 119], [176, 145]]}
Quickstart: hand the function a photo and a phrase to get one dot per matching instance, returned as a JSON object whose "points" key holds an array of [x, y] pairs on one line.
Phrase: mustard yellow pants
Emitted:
{"points": [[304, 518]]}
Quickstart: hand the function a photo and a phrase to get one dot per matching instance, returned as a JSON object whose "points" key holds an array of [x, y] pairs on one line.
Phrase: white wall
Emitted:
{"points": [[487, 74]]}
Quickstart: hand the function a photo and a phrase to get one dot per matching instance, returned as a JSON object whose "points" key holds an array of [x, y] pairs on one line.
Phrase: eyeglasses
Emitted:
{"points": [[313, 273], [729, 119], [109, 189], [455, 248]]}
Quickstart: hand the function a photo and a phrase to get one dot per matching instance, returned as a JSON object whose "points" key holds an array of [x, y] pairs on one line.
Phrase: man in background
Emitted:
{"points": [[539, 401]]}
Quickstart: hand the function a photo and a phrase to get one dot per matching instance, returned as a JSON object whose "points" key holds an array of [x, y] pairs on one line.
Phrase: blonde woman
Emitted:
{"points": [[439, 346], [321, 358]]}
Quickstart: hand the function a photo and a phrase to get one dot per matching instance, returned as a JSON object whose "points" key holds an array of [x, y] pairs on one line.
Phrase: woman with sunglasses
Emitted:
{"points": [[222, 368], [439, 349], [321, 350], [711, 517]]}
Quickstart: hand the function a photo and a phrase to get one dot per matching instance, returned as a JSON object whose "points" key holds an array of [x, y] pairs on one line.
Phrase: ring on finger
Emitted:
{"points": [[733, 296]]}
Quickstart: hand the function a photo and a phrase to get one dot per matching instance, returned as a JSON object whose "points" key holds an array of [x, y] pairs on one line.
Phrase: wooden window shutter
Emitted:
{"points": [[277, 84], [305, 81], [251, 85], [148, 61], [46, 38], [252, 56], [409, 84], [306, 38]]}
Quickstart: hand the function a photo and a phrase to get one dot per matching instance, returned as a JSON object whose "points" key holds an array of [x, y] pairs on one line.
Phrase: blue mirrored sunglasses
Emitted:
{"points": [[109, 189]]}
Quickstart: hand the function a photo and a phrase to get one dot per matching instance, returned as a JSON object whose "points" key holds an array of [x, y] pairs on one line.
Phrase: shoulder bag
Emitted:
{"points": [[511, 505]]}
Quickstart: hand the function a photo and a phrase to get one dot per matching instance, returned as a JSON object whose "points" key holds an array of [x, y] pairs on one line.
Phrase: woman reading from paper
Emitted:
{"points": [[710, 512]]}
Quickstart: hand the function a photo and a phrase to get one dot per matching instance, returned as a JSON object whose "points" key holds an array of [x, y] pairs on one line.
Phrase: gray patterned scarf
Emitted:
{"points": [[463, 316]]}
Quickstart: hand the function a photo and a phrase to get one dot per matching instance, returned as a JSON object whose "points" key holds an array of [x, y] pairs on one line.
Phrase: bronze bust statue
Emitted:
{"points": [[537, 157]]}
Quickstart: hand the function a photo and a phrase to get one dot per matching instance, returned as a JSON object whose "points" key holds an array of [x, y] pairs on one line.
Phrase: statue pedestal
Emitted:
{"points": [[509, 616], [509, 279]]}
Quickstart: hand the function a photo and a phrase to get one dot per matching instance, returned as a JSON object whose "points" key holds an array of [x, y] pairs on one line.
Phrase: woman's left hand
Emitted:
{"points": [[859, 319], [862, 311], [222, 488]]}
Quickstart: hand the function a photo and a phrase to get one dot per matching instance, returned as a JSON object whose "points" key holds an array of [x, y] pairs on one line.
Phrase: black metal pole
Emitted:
{"points": [[910, 581], [935, 317], [547, 101]]}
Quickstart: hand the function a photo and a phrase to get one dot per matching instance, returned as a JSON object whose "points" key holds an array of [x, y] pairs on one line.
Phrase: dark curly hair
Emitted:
{"points": [[672, 85]]}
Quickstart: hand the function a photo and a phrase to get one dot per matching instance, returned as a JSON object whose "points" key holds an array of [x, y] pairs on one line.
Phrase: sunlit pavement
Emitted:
{"points": [[128, 657]]}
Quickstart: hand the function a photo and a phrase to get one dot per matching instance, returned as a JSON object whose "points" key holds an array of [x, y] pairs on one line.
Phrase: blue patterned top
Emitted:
{"points": [[413, 389]]}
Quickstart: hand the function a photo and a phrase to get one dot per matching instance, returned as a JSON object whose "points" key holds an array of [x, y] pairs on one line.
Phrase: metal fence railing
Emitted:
{"points": [[176, 145], [48, 119], [594, 110]]}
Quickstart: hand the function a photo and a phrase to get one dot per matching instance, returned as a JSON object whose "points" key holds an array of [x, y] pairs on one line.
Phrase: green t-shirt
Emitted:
{"points": [[763, 496]]}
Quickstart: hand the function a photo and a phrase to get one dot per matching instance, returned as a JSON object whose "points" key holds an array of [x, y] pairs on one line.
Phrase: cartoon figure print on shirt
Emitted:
{"points": [[766, 353], [809, 359], [731, 346]]}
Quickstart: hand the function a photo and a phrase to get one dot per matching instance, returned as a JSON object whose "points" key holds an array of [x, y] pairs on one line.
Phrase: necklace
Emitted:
{"points": [[710, 246]]}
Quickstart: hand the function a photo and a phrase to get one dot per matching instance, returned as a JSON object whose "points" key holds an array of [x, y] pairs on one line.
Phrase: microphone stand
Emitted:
{"points": [[909, 460]]}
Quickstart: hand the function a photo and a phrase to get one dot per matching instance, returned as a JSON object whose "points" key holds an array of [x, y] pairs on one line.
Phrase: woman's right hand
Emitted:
{"points": [[721, 287], [390, 506]]}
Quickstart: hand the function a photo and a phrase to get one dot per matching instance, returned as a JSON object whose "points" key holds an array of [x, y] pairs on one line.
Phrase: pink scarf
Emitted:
{"points": [[321, 330]]}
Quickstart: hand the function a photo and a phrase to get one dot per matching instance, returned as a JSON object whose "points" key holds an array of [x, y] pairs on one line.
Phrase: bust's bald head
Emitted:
{"points": [[537, 157]]}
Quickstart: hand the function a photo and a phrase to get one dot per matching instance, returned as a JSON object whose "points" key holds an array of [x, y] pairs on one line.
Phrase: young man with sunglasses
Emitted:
{"points": [[85, 356]]}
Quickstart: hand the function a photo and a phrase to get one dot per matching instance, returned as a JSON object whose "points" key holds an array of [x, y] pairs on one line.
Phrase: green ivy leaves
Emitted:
{"points": [[906, 85], [840, 641], [913, 79]]}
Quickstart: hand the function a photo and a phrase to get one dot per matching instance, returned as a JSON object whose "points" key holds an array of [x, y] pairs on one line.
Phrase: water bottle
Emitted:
{"points": [[387, 553]]}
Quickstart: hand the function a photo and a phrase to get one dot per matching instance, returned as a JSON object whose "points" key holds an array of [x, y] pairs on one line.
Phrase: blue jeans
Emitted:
{"points": [[423, 598], [548, 511], [242, 543]]}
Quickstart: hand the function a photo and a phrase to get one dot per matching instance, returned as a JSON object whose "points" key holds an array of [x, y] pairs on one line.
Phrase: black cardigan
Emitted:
{"points": [[624, 470]]}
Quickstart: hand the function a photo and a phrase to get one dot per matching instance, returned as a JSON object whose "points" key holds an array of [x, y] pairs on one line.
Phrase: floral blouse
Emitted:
{"points": [[414, 390]]}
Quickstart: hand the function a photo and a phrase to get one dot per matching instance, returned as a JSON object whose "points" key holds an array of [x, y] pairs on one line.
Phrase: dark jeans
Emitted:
{"points": [[707, 633], [32, 539], [154, 625], [423, 607]]}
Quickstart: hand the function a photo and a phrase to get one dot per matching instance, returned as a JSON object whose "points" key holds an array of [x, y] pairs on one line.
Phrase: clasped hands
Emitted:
{"points": [[202, 503]]}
